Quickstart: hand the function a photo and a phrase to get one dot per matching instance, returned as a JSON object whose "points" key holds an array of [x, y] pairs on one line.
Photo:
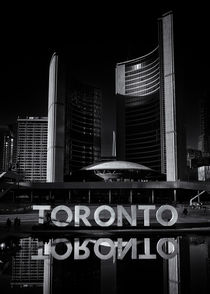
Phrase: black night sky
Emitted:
{"points": [[96, 40]]}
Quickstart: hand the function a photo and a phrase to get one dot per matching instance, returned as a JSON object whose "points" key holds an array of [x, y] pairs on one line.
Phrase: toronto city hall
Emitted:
{"points": [[56, 161]]}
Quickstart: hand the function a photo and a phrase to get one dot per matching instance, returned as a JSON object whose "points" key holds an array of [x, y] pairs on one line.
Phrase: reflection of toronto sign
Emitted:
{"points": [[105, 248], [83, 214], [105, 216]]}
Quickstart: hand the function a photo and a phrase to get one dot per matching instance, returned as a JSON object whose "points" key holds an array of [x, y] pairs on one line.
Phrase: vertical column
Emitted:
{"points": [[89, 196], [153, 196], [175, 196], [131, 196], [113, 144], [110, 196], [55, 146], [167, 50], [69, 196]]}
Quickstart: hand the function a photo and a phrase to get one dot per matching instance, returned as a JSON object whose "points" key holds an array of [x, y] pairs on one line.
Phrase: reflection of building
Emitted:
{"points": [[147, 124], [195, 264], [74, 127], [32, 148], [98, 273], [25, 271], [7, 148], [200, 264]]}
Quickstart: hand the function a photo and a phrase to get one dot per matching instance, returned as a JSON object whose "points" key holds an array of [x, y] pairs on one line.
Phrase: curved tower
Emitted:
{"points": [[147, 132], [140, 87], [74, 122], [83, 126], [55, 144]]}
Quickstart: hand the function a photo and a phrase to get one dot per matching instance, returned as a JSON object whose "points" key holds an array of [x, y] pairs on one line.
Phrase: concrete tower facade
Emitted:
{"points": [[74, 122], [56, 119], [147, 126]]}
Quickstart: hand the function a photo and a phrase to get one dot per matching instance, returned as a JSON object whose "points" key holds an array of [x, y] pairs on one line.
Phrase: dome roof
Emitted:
{"points": [[116, 165]]}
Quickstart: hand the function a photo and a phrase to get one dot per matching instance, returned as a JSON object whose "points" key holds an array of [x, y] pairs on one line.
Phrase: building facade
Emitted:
{"points": [[204, 138], [25, 271], [74, 123], [147, 106], [32, 148], [82, 127], [7, 148]]}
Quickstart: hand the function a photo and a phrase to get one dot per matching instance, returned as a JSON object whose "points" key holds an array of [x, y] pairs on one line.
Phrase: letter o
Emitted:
{"points": [[108, 255], [160, 248], [68, 251], [173, 219], [112, 216], [55, 211]]}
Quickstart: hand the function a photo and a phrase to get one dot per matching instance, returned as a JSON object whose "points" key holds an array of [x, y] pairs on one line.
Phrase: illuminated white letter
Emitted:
{"points": [[146, 209], [99, 210], [61, 223], [121, 211], [41, 209], [83, 216], [174, 216]]}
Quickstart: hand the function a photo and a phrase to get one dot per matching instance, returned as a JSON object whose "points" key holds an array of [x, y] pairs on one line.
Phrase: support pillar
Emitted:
{"points": [[153, 197], [175, 198], [69, 196], [110, 196], [89, 196], [131, 196]]}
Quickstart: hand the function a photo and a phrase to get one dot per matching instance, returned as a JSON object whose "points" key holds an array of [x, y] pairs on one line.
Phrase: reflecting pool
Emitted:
{"points": [[113, 263]]}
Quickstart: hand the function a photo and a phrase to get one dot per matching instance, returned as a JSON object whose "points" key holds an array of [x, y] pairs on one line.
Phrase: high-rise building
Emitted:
{"points": [[147, 128], [32, 148], [74, 122], [7, 148], [204, 138]]}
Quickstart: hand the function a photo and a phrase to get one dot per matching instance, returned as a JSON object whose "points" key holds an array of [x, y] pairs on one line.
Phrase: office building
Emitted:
{"points": [[7, 148], [74, 123], [32, 148], [204, 138], [147, 127]]}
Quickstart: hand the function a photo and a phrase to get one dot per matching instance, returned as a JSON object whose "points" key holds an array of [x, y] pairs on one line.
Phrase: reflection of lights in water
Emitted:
{"points": [[106, 244], [2, 245]]}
